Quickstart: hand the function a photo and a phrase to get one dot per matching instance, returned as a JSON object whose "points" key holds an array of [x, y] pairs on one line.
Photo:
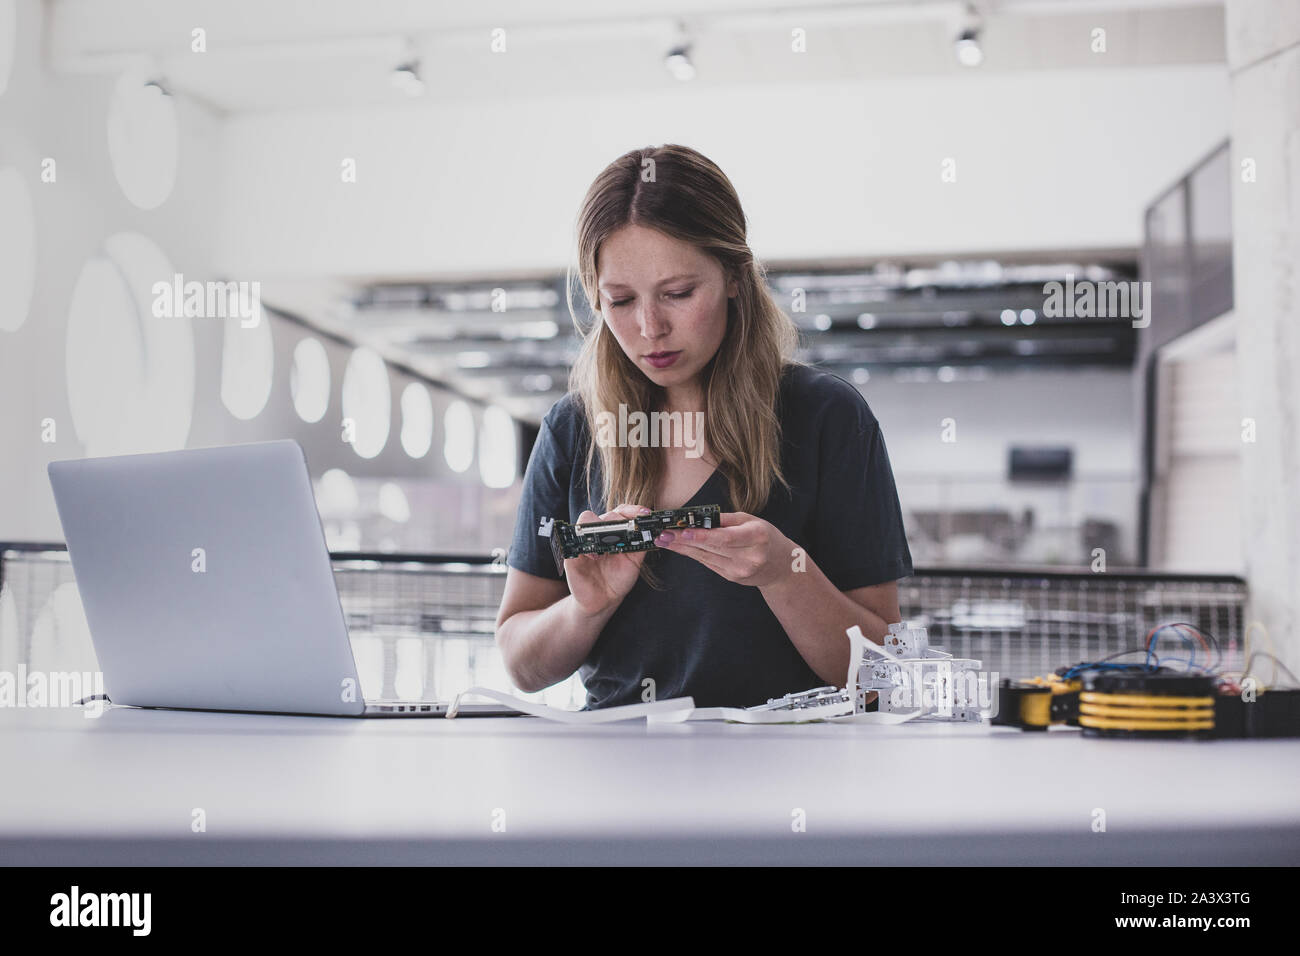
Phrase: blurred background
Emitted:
{"points": [[398, 182]]}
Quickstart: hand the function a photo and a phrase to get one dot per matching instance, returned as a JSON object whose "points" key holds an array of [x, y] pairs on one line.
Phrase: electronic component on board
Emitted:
{"points": [[829, 700], [623, 535]]}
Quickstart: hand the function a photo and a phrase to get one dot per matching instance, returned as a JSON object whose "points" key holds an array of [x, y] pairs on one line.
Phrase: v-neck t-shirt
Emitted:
{"points": [[700, 635]]}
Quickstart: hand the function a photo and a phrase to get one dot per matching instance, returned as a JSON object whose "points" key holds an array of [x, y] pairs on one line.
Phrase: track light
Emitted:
{"points": [[678, 62], [969, 52], [967, 45], [407, 78]]}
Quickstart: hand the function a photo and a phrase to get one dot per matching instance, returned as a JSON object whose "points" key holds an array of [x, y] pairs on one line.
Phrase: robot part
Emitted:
{"points": [[816, 703], [911, 675]]}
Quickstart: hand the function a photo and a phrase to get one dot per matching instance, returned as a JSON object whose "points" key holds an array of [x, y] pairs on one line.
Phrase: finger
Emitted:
{"points": [[703, 556], [729, 519], [721, 541], [586, 516], [706, 558]]}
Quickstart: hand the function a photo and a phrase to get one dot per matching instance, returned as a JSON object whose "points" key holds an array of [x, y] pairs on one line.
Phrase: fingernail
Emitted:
{"points": [[665, 538], [688, 535], [644, 510]]}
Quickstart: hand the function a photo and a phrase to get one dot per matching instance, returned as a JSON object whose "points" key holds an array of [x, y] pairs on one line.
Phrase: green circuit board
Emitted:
{"points": [[625, 535]]}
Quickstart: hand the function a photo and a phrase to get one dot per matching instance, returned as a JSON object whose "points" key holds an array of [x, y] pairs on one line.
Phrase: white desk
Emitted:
{"points": [[121, 789]]}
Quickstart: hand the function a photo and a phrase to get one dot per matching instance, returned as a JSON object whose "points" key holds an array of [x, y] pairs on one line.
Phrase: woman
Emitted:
{"points": [[811, 540]]}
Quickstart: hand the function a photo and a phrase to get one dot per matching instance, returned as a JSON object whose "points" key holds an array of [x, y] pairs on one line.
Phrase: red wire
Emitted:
{"points": [[1199, 636], [1194, 630]]}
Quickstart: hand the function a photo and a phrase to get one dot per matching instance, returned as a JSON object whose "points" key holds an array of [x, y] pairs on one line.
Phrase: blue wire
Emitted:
{"points": [[1104, 666], [1155, 638]]}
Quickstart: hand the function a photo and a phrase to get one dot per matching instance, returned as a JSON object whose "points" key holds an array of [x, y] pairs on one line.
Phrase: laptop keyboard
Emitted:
{"points": [[391, 707]]}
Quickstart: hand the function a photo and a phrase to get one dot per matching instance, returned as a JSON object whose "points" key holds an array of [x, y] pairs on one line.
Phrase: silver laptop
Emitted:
{"points": [[207, 584]]}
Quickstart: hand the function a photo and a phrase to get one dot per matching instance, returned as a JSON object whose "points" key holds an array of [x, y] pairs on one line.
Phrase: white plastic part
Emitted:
{"points": [[920, 668], [604, 716]]}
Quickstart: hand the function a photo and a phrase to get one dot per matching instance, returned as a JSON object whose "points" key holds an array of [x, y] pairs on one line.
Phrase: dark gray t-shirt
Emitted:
{"points": [[702, 635]]}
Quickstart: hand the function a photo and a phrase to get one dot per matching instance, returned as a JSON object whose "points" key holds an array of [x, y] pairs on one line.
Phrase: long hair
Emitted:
{"points": [[684, 195]]}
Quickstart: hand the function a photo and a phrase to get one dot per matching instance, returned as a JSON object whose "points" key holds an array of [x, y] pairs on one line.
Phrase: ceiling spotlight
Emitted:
{"points": [[968, 48], [967, 45], [407, 78], [678, 62]]}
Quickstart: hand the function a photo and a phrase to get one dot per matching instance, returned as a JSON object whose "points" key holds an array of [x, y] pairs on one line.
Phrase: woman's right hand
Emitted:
{"points": [[599, 582]]}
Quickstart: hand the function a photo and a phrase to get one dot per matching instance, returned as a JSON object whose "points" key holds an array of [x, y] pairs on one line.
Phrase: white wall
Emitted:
{"points": [[43, 114], [1048, 160], [1264, 50], [46, 115], [1089, 410]]}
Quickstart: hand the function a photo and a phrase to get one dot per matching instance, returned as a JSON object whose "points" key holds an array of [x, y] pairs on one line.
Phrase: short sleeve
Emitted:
{"points": [[545, 496], [858, 521]]}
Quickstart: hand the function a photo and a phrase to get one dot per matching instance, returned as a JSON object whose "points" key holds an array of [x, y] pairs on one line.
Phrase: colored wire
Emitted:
{"points": [[1153, 637], [1105, 664], [1206, 635], [1276, 664], [1206, 640], [1246, 645]]}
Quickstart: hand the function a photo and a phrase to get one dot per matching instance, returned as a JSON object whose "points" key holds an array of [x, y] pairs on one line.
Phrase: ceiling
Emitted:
{"points": [[330, 55], [511, 342], [333, 54]]}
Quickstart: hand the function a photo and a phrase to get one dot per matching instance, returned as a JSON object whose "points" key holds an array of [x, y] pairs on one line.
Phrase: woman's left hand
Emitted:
{"points": [[745, 549]]}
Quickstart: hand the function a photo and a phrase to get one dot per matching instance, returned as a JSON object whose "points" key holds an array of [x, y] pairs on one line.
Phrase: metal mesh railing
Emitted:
{"points": [[1024, 623], [422, 625]]}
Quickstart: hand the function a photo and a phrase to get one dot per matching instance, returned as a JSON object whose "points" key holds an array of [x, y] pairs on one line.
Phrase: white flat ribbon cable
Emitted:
{"points": [[840, 712], [877, 717], [676, 710], [739, 715], [605, 715], [682, 709]]}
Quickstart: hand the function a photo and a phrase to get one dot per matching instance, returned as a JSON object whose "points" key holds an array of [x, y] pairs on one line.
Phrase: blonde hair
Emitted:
{"points": [[687, 198]]}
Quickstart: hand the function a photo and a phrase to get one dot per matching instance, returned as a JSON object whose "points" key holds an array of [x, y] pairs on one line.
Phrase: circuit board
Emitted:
{"points": [[624, 535]]}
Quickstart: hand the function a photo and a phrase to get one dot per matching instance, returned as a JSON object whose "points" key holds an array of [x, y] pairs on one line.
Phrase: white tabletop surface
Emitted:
{"points": [[123, 788]]}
